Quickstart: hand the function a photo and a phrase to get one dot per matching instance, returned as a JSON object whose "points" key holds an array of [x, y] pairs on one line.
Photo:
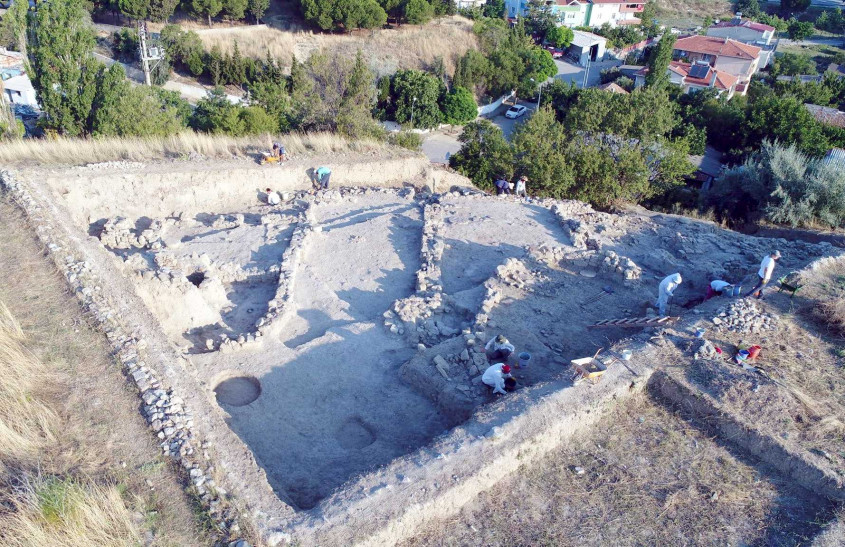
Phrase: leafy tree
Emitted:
{"points": [[648, 19], [749, 8], [560, 37], [540, 19], [418, 12], [134, 9], [234, 68], [472, 72], [235, 9], [444, 7], [416, 95], [64, 71], [658, 61], [484, 154], [118, 104], [778, 23], [494, 9], [793, 6], [125, 45], [274, 99], [207, 8], [180, 108], [257, 121], [215, 114], [343, 14], [539, 149], [785, 119], [831, 21], [161, 10], [13, 27], [459, 107], [257, 8], [215, 65], [799, 30], [354, 117], [793, 64], [185, 49]]}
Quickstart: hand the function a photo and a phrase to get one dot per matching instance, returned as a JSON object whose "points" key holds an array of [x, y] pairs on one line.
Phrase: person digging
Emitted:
{"points": [[498, 349], [764, 275], [718, 287], [498, 376], [279, 151], [666, 290]]}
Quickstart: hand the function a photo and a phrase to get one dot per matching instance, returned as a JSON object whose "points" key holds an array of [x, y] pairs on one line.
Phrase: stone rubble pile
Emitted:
{"points": [[705, 350], [103, 165], [166, 413], [744, 316], [513, 273], [118, 233], [614, 263]]}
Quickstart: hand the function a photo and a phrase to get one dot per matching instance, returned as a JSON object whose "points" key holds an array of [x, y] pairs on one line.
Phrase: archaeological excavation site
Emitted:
{"points": [[316, 365]]}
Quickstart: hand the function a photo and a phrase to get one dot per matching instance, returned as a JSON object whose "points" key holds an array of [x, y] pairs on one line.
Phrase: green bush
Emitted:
{"points": [[459, 107], [406, 139]]}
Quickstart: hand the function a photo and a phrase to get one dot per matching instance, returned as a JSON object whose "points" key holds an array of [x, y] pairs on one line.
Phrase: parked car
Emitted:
{"points": [[515, 111], [556, 53]]}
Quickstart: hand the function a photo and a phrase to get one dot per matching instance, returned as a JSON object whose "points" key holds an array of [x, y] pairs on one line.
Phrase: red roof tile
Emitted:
{"points": [[714, 45]]}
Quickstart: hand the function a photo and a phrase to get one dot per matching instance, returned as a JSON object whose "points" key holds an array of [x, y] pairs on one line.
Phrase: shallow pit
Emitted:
{"points": [[238, 391]]}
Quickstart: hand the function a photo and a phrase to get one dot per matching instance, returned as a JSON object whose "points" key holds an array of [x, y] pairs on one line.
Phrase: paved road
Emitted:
{"points": [[819, 3], [813, 41]]}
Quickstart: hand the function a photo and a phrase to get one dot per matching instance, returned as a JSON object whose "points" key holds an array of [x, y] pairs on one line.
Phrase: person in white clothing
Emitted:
{"points": [[273, 198], [520, 187], [499, 377], [666, 290], [498, 349], [767, 266]]}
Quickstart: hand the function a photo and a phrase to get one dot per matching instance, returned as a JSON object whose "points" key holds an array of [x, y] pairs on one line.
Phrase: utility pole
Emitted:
{"points": [[586, 74], [147, 54]]}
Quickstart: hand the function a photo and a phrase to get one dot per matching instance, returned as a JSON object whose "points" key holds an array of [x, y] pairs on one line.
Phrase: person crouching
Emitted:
{"points": [[498, 349], [499, 377]]}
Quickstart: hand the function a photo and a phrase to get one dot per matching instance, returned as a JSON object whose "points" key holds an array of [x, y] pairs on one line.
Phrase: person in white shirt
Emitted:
{"points": [[520, 187], [666, 290], [498, 349], [273, 198], [767, 266], [499, 377]]}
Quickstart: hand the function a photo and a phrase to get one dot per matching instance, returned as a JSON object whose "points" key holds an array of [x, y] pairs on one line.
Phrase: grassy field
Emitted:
{"points": [[822, 55], [644, 476], [691, 13], [81, 151], [386, 50], [78, 466]]}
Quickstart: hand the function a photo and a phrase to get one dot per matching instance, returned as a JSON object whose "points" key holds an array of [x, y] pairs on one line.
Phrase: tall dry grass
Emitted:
{"points": [[386, 50], [26, 423], [44, 511], [49, 511], [65, 151]]}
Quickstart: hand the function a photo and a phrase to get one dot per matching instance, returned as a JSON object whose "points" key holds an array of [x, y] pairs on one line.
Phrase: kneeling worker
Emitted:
{"points": [[718, 287], [498, 349], [499, 377]]}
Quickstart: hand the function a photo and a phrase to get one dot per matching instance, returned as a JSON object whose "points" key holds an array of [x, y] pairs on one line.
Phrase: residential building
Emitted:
{"points": [[696, 76], [615, 13], [16, 87], [586, 47], [613, 87], [826, 115], [747, 32], [585, 13], [723, 54]]}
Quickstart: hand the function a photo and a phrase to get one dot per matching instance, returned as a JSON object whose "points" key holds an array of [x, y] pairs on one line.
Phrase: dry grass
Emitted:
{"points": [[88, 462], [691, 13], [642, 477], [25, 421], [828, 290], [54, 512], [81, 151], [408, 47]]}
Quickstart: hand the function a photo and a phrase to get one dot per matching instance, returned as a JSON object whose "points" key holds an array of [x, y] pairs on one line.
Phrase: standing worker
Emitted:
{"points": [[323, 174], [665, 290], [498, 349], [502, 187], [767, 266], [520, 187], [499, 377]]}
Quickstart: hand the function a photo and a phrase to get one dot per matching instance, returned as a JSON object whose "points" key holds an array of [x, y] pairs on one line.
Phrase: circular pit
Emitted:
{"points": [[238, 390]]}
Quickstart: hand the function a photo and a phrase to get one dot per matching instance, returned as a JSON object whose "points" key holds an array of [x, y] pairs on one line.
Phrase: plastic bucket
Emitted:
{"points": [[524, 359], [699, 333], [753, 352], [627, 354], [737, 290]]}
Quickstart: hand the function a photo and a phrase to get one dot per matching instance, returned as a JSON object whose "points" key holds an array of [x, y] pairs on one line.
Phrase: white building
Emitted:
{"points": [[586, 47], [16, 86], [747, 32]]}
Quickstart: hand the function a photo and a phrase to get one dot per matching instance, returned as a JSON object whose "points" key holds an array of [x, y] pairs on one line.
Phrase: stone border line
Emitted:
{"points": [[166, 413]]}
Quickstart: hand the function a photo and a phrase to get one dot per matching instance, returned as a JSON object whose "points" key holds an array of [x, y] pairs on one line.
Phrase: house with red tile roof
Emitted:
{"points": [[723, 54], [826, 115], [693, 77], [613, 87]]}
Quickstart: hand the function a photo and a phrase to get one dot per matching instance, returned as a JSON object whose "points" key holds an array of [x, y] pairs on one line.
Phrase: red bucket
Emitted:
{"points": [[753, 352]]}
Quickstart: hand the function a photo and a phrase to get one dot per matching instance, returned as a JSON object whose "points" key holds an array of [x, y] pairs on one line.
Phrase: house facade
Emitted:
{"points": [[15, 85], [585, 13], [723, 54]]}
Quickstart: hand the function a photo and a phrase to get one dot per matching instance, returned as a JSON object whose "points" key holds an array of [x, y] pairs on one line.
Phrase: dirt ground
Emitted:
{"points": [[102, 435], [644, 476]]}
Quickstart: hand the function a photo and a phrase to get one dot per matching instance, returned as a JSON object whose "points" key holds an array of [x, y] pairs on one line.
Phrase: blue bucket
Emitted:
{"points": [[737, 290], [524, 359]]}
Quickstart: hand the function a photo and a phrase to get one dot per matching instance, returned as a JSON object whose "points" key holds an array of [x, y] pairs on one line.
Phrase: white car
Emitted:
{"points": [[515, 111]]}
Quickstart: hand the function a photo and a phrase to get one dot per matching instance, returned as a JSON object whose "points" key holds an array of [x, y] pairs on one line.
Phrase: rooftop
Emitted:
{"points": [[714, 45], [586, 39], [826, 115], [760, 27], [723, 80], [613, 87]]}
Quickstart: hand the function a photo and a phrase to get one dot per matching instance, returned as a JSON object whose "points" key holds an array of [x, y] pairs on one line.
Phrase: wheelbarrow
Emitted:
{"points": [[784, 285]]}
